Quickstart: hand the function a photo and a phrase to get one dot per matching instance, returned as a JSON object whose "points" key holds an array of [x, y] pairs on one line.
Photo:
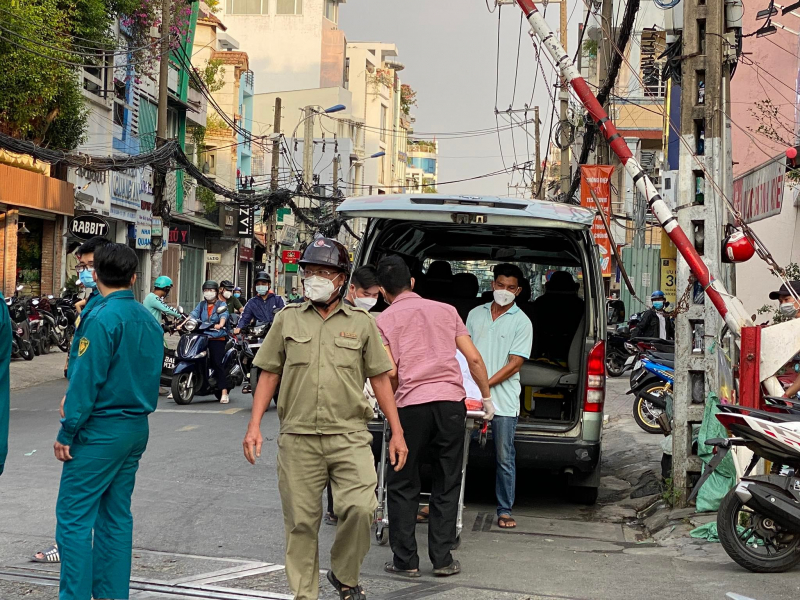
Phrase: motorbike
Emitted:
{"points": [[651, 383], [255, 335], [193, 374], [170, 325], [40, 328], [759, 520], [66, 315], [21, 346]]}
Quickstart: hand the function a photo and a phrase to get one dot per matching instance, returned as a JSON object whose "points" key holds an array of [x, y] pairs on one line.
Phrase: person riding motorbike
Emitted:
{"points": [[206, 312], [235, 305], [155, 302], [263, 306], [656, 323], [237, 293]]}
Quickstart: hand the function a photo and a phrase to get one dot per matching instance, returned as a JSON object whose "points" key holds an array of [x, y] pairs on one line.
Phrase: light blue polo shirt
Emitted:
{"points": [[511, 333]]}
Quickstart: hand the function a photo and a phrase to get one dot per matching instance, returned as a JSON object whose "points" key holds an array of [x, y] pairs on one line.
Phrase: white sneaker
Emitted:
{"points": [[225, 399], [169, 396]]}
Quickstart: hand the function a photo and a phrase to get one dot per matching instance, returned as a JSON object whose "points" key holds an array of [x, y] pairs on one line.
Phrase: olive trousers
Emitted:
{"points": [[305, 465]]}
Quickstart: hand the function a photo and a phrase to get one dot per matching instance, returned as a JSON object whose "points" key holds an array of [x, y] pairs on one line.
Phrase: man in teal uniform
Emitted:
{"points": [[104, 431], [5, 360]]}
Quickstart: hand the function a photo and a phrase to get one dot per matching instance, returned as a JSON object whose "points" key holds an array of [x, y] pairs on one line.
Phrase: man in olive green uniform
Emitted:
{"points": [[104, 431], [321, 351]]}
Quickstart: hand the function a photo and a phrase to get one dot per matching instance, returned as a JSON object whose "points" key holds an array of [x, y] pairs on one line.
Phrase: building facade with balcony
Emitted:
{"points": [[422, 171]]}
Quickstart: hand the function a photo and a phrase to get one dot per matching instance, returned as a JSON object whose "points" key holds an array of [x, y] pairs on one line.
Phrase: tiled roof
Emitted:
{"points": [[232, 57]]}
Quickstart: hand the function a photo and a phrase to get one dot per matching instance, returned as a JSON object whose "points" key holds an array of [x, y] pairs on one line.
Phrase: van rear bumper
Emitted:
{"points": [[533, 452]]}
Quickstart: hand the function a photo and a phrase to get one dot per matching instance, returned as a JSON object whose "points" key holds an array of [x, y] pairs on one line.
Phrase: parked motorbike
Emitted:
{"points": [[21, 346], [194, 374], [759, 520], [170, 326], [40, 331], [66, 316], [651, 383]]}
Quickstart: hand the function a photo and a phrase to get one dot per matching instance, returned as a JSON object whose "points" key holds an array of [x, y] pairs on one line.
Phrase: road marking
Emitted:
{"points": [[190, 411], [188, 428]]}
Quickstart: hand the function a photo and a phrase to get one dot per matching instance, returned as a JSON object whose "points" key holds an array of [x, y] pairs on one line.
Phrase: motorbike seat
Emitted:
{"points": [[664, 358]]}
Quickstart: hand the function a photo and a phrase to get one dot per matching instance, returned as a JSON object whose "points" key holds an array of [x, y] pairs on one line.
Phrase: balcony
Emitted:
{"points": [[248, 82]]}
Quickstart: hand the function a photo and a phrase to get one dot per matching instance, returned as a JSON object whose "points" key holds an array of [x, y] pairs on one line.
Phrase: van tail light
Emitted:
{"points": [[596, 379]]}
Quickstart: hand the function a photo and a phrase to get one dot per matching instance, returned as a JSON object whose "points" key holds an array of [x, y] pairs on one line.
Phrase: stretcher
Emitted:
{"points": [[473, 422]]}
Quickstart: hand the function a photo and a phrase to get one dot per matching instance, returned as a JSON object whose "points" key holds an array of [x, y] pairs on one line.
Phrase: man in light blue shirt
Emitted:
{"points": [[503, 335]]}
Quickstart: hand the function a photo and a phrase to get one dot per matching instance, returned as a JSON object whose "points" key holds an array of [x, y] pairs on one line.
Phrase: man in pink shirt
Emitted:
{"points": [[422, 337]]}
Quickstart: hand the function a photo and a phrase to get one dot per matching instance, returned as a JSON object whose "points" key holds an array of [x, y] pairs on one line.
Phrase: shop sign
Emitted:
{"points": [[245, 253], [260, 266], [759, 193], [288, 235], [246, 221], [290, 257], [598, 178], [132, 187], [93, 184], [179, 234], [88, 226], [143, 236], [156, 227], [213, 258]]}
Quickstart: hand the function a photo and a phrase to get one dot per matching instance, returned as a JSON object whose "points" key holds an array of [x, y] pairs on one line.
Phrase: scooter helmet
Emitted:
{"points": [[736, 248], [326, 251], [226, 283], [658, 295], [210, 285], [262, 276], [163, 283]]}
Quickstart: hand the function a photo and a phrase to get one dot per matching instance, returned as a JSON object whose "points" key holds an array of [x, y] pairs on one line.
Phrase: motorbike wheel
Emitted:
{"points": [[755, 542], [182, 389], [645, 414], [615, 366], [26, 350], [66, 342], [46, 341]]}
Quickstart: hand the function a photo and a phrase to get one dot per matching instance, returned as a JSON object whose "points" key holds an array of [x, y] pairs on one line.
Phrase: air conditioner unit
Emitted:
{"points": [[669, 188]]}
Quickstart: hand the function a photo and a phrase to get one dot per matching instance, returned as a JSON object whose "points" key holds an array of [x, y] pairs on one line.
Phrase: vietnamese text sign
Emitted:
{"points": [[290, 257], [213, 258], [598, 177], [759, 194], [179, 234]]}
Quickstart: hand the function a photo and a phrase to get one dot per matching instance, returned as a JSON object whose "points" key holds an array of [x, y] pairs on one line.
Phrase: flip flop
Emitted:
{"points": [[353, 593], [422, 516], [454, 568], [50, 555], [390, 568], [506, 522]]}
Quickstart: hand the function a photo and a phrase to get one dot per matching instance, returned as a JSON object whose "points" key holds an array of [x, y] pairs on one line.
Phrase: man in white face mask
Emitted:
{"points": [[504, 336], [364, 289], [321, 352], [789, 308]]}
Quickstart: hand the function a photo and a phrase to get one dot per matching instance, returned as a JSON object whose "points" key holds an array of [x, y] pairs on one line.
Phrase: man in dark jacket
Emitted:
{"points": [[263, 306], [655, 322]]}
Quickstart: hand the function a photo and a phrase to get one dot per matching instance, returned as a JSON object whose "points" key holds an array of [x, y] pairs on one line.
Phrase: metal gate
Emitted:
{"points": [[192, 272], [140, 286], [644, 269]]}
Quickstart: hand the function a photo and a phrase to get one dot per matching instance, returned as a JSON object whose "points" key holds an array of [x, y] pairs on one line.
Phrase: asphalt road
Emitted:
{"points": [[203, 515]]}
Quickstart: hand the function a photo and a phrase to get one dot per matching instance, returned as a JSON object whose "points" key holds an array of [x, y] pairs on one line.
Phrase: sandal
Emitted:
{"points": [[331, 519], [346, 593], [390, 568], [50, 555], [423, 514], [453, 569], [506, 522]]}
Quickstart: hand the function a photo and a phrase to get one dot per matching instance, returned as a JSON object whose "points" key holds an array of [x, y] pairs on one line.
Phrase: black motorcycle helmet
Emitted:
{"points": [[210, 285], [263, 276], [226, 283], [326, 251]]}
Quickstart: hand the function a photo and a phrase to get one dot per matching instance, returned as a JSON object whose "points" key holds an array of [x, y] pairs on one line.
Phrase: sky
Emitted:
{"points": [[450, 59]]}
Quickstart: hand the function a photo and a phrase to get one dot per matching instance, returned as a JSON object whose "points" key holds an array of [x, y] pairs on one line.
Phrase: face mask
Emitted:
{"points": [[503, 297], [318, 289], [227, 295], [209, 295], [237, 295], [86, 278], [262, 289], [366, 303], [787, 309], [658, 305]]}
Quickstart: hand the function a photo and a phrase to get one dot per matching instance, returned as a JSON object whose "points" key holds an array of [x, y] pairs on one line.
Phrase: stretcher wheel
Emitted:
{"points": [[382, 535]]}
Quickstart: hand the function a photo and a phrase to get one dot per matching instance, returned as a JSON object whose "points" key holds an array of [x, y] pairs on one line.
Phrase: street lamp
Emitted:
{"points": [[363, 160]]}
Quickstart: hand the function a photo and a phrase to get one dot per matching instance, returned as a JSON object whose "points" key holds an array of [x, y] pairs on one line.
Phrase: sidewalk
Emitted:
{"points": [[44, 368]]}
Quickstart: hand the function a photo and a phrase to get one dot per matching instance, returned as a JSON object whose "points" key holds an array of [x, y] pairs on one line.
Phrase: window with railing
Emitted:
{"points": [[289, 7], [653, 46]]}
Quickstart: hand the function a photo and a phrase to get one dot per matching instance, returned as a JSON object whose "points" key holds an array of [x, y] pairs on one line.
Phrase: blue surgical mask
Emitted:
{"points": [[658, 305], [262, 289], [86, 278], [237, 295]]}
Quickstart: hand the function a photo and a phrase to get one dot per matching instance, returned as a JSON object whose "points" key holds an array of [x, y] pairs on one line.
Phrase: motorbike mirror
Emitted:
{"points": [[50, 296], [180, 309], [35, 302], [222, 309]]}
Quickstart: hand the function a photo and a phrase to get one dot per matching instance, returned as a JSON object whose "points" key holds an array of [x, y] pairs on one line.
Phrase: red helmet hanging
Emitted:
{"points": [[736, 247]]}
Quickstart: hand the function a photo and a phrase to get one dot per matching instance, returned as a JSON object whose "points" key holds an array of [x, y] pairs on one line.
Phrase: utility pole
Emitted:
{"points": [[563, 95], [272, 244], [308, 165], [157, 249], [537, 184], [707, 159], [336, 159], [604, 63]]}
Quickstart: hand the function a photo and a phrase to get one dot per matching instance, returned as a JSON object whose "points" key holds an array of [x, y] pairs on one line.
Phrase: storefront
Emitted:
{"points": [[189, 234], [246, 267], [33, 207]]}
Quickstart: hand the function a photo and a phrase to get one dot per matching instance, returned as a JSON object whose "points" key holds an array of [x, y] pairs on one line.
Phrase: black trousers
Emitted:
{"points": [[216, 352], [437, 429]]}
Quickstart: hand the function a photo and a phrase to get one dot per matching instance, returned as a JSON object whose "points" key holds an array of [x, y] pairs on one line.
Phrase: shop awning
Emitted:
{"points": [[20, 187], [197, 221]]}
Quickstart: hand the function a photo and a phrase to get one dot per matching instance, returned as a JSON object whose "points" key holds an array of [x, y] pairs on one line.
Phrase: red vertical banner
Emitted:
{"points": [[598, 178]]}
